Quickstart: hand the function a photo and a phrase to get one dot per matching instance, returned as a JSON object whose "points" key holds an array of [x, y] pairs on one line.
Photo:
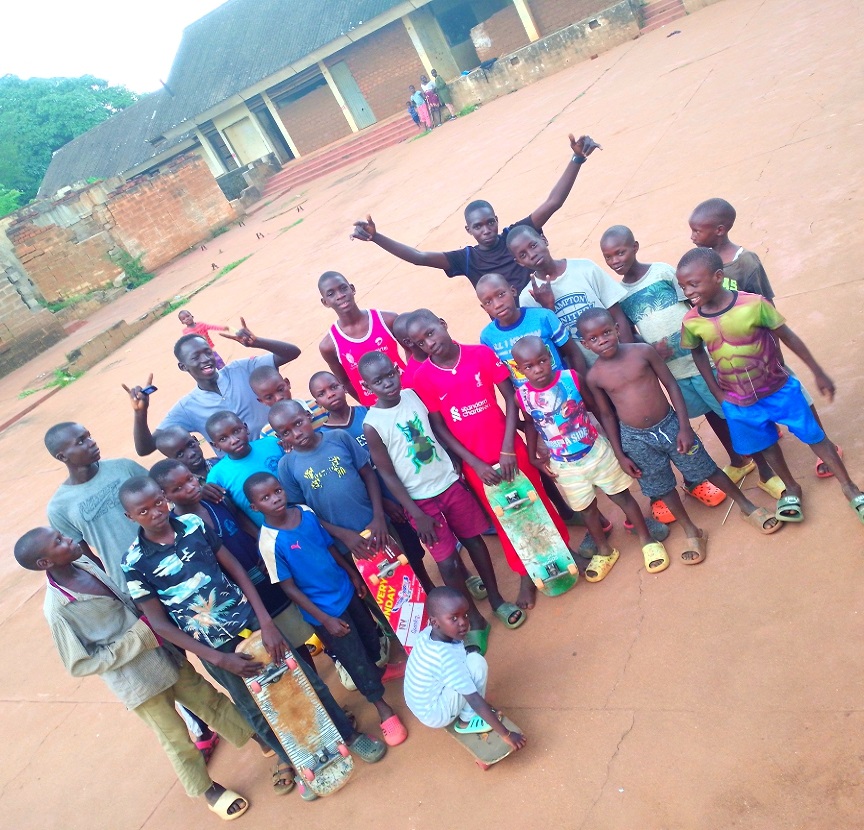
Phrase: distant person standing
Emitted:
{"points": [[443, 91], [419, 101], [430, 92], [201, 329]]}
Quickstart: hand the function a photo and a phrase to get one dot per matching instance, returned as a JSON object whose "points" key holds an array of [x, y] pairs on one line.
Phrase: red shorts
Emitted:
{"points": [[456, 514]]}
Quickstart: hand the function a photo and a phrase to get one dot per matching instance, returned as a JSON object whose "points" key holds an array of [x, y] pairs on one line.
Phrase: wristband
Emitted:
{"points": [[508, 453], [577, 159]]}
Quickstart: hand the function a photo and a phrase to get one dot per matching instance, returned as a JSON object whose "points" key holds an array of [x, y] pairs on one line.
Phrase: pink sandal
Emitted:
{"points": [[207, 747], [393, 730]]}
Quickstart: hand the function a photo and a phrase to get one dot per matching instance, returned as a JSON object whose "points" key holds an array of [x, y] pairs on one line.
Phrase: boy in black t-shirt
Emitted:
{"points": [[490, 254]]}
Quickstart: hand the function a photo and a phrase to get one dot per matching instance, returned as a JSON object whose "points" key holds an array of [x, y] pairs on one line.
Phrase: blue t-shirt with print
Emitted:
{"points": [[187, 579], [302, 554], [539, 322], [328, 480], [231, 473]]}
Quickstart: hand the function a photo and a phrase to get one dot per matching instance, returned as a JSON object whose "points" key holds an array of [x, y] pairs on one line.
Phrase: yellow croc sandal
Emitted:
{"points": [[599, 566], [656, 558]]}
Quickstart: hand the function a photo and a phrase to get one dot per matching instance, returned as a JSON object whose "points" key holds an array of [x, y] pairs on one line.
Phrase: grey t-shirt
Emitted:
{"points": [[92, 512], [235, 395]]}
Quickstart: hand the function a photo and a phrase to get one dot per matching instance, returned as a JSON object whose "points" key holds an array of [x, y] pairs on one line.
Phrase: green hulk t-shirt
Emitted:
{"points": [[740, 342]]}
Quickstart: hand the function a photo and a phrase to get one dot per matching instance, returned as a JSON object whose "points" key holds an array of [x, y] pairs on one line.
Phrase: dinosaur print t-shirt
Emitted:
{"points": [[187, 579], [419, 460]]}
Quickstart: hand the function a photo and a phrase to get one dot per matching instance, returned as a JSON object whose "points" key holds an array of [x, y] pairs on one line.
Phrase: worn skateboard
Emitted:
{"points": [[530, 528], [287, 700], [396, 590], [487, 747]]}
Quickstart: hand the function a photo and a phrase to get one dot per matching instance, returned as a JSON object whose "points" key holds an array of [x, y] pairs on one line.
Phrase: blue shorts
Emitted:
{"points": [[698, 397], [754, 428]]}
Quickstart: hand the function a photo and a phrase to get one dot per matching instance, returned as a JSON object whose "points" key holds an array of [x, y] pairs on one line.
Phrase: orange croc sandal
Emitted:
{"points": [[707, 493], [393, 730], [661, 512], [822, 470]]}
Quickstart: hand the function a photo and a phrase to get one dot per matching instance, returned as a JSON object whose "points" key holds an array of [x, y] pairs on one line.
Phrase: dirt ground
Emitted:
{"points": [[726, 695]]}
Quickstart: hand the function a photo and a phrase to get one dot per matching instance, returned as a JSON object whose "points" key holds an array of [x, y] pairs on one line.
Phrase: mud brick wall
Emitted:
{"points": [[551, 15], [24, 332], [506, 32], [163, 216], [314, 120], [384, 64]]}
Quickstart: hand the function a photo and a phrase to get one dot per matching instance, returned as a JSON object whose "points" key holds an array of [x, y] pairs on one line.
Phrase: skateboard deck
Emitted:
{"points": [[530, 528], [487, 747], [397, 592], [289, 703]]}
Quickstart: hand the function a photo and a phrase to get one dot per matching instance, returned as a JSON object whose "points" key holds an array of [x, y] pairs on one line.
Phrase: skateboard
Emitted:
{"points": [[288, 702], [530, 528], [396, 590], [488, 748]]}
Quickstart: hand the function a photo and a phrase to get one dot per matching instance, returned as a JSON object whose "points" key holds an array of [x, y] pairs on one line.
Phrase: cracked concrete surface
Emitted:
{"points": [[723, 695]]}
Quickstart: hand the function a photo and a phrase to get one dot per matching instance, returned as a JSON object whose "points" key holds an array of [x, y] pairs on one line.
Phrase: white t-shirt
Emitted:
{"points": [[432, 667], [583, 285], [419, 460]]}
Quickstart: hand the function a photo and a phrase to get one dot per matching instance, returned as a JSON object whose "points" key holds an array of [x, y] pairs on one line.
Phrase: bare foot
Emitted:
{"points": [[527, 593]]}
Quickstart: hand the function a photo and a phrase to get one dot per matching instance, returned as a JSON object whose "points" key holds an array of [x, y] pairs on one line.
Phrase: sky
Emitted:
{"points": [[124, 43]]}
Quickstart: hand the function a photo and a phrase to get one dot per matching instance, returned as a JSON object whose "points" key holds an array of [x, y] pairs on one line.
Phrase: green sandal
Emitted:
{"points": [[506, 610], [789, 509], [476, 588], [478, 638], [857, 504], [476, 726]]}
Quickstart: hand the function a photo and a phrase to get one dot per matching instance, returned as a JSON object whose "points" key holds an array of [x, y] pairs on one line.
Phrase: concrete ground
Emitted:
{"points": [[726, 695]]}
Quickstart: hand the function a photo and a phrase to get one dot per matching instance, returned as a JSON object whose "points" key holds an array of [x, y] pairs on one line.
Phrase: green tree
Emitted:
{"points": [[40, 115], [10, 200]]}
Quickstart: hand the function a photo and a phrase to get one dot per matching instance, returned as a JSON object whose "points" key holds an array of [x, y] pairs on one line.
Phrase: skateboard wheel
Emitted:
{"points": [[482, 766], [374, 579], [343, 750], [308, 774], [255, 687], [573, 569], [499, 511], [538, 582], [532, 495], [403, 559], [291, 663]]}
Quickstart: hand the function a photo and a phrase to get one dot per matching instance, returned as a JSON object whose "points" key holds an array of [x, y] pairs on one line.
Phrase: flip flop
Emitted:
{"points": [[707, 493], [599, 567], [224, 802], [506, 610], [479, 638], [661, 512], [697, 545], [774, 487], [476, 726], [476, 588], [207, 747], [655, 553], [393, 730], [857, 504], [656, 529], [820, 463], [789, 509], [759, 518], [735, 474], [283, 779]]}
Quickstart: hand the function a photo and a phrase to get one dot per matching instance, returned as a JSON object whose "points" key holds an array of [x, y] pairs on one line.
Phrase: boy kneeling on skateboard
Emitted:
{"points": [[304, 560], [445, 682]]}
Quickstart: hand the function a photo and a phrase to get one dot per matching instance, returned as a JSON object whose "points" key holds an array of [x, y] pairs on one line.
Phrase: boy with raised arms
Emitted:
{"points": [[355, 332], [489, 254], [420, 475], [580, 459], [647, 434], [740, 331]]}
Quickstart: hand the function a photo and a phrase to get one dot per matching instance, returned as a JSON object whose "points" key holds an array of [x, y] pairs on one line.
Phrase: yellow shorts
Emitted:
{"points": [[599, 468]]}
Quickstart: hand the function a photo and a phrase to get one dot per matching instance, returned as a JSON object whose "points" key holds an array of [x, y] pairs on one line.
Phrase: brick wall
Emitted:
{"points": [[23, 332], [384, 64], [163, 216], [314, 120], [506, 32], [551, 15]]}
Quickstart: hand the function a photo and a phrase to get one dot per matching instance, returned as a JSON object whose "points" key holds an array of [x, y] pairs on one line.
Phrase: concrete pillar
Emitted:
{"points": [[429, 42], [228, 145], [217, 168], [280, 124], [527, 18], [260, 130], [338, 96]]}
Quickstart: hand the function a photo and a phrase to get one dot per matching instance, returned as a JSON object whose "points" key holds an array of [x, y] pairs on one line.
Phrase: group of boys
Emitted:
{"points": [[602, 378]]}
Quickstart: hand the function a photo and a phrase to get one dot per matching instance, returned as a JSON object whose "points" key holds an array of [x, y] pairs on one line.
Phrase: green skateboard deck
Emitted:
{"points": [[530, 528]]}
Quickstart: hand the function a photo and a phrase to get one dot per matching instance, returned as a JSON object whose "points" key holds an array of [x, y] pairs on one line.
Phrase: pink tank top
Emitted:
{"points": [[378, 338]]}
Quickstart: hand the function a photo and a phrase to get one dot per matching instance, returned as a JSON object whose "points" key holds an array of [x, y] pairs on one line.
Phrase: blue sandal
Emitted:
{"points": [[476, 726]]}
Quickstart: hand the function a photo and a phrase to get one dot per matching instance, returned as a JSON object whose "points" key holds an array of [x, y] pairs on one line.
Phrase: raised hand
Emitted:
{"points": [[243, 335], [542, 291], [138, 399], [364, 230], [584, 145]]}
